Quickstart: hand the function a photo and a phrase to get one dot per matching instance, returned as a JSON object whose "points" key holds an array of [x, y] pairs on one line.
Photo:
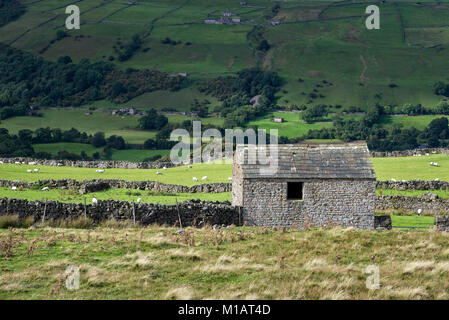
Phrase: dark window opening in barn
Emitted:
{"points": [[295, 190]]}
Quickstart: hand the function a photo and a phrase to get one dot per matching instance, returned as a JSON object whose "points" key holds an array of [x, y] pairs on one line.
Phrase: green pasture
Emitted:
{"points": [[178, 175], [72, 196], [412, 221], [133, 155], [412, 168]]}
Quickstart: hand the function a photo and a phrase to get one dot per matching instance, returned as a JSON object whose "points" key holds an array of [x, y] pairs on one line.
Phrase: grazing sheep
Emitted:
{"points": [[99, 171], [165, 168], [158, 172], [419, 211], [431, 163], [195, 179], [59, 164], [427, 154], [94, 201], [230, 178], [29, 170], [139, 200], [36, 170], [13, 188], [204, 178], [394, 180], [17, 162], [1, 162], [32, 163], [45, 189], [436, 179]]}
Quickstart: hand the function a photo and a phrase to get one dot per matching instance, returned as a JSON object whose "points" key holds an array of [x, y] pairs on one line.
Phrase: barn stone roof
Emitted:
{"points": [[312, 161]]}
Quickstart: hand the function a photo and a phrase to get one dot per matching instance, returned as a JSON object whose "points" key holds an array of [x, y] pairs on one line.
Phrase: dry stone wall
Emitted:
{"points": [[442, 223], [191, 213], [409, 153], [91, 164], [413, 185], [87, 186], [428, 203]]}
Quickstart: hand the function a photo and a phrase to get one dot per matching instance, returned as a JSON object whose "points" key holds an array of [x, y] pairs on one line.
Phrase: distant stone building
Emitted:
{"points": [[236, 20], [315, 185], [278, 119], [210, 21]]}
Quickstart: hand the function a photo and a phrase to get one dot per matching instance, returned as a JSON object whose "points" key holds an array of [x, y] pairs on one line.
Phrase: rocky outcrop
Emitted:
{"points": [[87, 186], [188, 213]]}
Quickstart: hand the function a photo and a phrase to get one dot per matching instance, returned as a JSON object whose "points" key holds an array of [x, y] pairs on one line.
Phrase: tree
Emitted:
{"points": [[264, 46], [98, 140], [152, 121]]}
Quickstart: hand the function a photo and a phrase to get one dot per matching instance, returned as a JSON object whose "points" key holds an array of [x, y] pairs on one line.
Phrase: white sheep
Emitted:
{"points": [[394, 180], [1, 162], [94, 201], [431, 163], [436, 179], [230, 178], [158, 172], [99, 171], [419, 211], [204, 178], [59, 164], [45, 188], [165, 168], [29, 170], [36, 170], [13, 188], [32, 163], [139, 200], [427, 154], [17, 162], [195, 179]]}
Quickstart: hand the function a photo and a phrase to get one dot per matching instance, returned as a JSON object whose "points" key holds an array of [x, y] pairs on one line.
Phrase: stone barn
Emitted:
{"points": [[314, 185]]}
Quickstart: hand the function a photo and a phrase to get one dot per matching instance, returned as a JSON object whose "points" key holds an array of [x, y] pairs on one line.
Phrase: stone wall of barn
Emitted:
{"points": [[326, 202]]}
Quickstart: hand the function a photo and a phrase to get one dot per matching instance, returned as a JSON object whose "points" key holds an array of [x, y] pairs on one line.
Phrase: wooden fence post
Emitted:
{"points": [[134, 213], [85, 208], [45, 210], [179, 215]]}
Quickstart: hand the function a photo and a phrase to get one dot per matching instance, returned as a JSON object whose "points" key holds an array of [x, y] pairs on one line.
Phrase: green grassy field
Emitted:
{"points": [[179, 175], [414, 221], [72, 196], [309, 44], [122, 155], [240, 263], [401, 168], [412, 168], [98, 120]]}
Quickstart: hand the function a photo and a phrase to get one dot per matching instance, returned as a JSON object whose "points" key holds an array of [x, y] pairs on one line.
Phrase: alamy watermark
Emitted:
{"points": [[210, 146]]}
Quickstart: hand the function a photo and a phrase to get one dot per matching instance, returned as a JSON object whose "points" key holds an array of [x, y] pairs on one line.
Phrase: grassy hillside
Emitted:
{"points": [[155, 263], [315, 40]]}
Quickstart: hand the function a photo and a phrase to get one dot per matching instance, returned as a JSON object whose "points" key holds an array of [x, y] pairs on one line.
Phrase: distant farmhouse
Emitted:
{"points": [[278, 119], [315, 185], [227, 17]]}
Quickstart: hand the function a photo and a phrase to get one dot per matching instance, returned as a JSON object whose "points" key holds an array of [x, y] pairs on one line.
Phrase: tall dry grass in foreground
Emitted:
{"points": [[124, 262]]}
